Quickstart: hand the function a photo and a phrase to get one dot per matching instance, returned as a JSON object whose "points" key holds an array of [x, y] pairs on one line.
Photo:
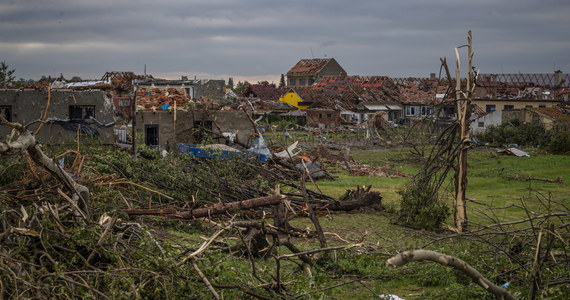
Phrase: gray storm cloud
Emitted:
{"points": [[257, 39]]}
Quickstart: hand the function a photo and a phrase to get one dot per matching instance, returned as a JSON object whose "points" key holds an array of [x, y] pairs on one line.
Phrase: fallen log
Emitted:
{"points": [[354, 199], [209, 211], [522, 178], [449, 261]]}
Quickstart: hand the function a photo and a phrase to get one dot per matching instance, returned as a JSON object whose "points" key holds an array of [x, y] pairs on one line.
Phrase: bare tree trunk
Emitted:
{"points": [[227, 207], [463, 116], [449, 261]]}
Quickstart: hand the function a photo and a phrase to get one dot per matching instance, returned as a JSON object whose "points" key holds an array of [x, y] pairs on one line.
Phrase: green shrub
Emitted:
{"points": [[421, 208], [515, 132], [559, 142]]}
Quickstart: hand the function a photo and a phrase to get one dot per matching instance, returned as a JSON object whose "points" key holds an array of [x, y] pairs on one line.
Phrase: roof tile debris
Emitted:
{"points": [[162, 99], [308, 66], [421, 91], [553, 113], [263, 91], [521, 86]]}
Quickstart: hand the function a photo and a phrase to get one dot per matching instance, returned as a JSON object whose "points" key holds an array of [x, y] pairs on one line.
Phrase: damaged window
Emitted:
{"points": [[81, 112], [292, 82], [427, 111], [6, 111], [302, 82], [151, 135], [124, 102], [507, 106], [490, 108], [206, 124]]}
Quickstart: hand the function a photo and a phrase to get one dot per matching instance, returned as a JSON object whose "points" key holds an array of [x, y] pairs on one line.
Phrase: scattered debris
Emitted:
{"points": [[514, 151]]}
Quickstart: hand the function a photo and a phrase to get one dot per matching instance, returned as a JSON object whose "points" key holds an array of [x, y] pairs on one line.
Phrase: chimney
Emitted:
{"points": [[432, 76], [558, 78]]}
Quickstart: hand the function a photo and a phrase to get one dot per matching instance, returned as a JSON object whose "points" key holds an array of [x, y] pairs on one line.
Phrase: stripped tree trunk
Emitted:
{"points": [[463, 115]]}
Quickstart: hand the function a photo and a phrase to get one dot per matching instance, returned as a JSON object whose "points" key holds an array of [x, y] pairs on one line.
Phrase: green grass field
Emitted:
{"points": [[490, 184], [491, 178]]}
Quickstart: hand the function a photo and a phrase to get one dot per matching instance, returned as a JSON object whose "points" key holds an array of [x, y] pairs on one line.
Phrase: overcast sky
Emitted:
{"points": [[260, 39]]}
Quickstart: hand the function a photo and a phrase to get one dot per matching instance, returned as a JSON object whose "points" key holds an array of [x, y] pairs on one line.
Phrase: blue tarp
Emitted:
{"points": [[213, 153]]}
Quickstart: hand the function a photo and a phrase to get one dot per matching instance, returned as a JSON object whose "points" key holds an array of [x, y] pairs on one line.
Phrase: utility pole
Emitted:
{"points": [[463, 100]]}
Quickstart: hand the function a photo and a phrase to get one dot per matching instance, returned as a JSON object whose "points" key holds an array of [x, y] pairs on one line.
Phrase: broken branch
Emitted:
{"points": [[449, 261]]}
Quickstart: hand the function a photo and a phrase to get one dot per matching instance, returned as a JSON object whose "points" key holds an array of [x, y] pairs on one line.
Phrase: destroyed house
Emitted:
{"points": [[88, 114], [212, 90], [516, 91], [308, 71], [323, 118], [424, 98], [164, 130], [545, 117], [169, 112], [359, 98], [263, 92]]}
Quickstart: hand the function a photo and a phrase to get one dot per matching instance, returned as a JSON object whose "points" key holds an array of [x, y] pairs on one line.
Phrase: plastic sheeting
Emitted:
{"points": [[259, 146]]}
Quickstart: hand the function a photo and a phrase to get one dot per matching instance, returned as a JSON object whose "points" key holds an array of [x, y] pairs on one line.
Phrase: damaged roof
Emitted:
{"points": [[421, 91], [263, 91], [553, 113], [309, 66], [539, 86]]}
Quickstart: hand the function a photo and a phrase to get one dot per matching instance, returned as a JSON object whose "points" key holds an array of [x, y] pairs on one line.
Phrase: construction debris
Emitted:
{"points": [[514, 151]]}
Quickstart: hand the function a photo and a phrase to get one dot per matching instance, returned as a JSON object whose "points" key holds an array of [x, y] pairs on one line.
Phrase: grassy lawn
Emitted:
{"points": [[491, 183], [491, 179]]}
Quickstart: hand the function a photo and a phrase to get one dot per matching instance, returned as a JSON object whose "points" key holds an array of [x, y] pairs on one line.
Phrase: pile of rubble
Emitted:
{"points": [[158, 99]]}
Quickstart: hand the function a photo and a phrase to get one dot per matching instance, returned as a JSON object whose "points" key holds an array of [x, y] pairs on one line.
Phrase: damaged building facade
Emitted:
{"points": [[169, 112], [530, 98], [89, 113], [165, 130]]}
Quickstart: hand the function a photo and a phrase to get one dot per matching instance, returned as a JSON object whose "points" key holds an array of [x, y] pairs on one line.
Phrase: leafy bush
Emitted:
{"points": [[560, 139], [515, 132], [421, 208]]}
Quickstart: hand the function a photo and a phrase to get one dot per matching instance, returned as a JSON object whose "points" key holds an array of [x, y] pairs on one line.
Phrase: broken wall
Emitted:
{"points": [[212, 89], [323, 118], [171, 133], [27, 106]]}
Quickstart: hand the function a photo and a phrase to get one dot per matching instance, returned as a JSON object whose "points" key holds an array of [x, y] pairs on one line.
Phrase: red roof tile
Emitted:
{"points": [[308, 66]]}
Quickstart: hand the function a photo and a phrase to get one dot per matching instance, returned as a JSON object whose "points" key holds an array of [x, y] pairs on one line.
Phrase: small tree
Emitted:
{"points": [[265, 82], [282, 81], [240, 87], [6, 75]]}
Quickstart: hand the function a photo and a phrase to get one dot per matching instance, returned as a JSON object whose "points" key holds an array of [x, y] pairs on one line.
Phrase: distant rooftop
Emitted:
{"points": [[309, 66]]}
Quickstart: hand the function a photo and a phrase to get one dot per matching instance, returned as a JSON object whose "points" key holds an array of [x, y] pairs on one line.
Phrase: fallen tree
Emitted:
{"points": [[354, 199], [27, 142], [449, 261], [217, 209]]}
